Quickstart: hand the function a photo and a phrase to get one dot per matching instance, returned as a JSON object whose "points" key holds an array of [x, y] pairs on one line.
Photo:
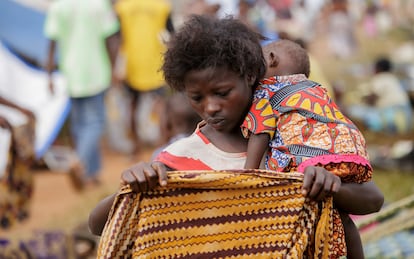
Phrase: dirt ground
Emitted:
{"points": [[57, 206]]}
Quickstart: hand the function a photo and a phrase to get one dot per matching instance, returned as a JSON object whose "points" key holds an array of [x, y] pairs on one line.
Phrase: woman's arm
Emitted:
{"points": [[359, 198], [99, 215], [352, 198]]}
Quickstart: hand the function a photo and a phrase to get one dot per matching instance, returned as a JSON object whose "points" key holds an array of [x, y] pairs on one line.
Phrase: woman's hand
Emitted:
{"points": [[319, 183], [144, 176]]}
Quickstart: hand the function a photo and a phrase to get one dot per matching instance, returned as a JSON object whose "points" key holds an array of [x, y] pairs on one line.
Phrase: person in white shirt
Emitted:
{"points": [[385, 105]]}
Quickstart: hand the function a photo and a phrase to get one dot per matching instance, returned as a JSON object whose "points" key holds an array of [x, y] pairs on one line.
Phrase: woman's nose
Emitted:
{"points": [[211, 106]]}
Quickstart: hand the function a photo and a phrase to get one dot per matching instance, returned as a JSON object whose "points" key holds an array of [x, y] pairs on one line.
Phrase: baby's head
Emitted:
{"points": [[286, 57], [205, 42]]}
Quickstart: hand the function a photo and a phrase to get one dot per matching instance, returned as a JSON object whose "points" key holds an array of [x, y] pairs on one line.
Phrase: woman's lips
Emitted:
{"points": [[215, 123]]}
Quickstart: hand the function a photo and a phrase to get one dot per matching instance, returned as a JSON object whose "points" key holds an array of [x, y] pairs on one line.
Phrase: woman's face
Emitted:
{"points": [[219, 96]]}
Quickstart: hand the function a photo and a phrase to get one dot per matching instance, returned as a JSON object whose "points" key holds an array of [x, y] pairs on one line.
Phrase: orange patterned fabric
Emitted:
{"points": [[222, 214], [306, 128]]}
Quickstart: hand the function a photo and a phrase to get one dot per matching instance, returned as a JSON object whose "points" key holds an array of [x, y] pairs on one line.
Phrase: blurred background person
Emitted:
{"points": [[144, 29], [384, 104], [340, 26], [227, 7], [305, 14], [282, 8], [82, 31], [200, 7], [179, 120], [17, 153], [369, 21], [256, 14]]}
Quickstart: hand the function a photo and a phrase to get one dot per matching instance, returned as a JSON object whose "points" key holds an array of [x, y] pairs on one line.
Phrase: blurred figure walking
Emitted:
{"points": [[82, 30], [341, 29], [17, 153], [145, 26]]}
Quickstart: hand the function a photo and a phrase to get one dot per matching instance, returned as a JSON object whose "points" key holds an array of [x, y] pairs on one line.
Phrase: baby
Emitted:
{"points": [[294, 123]]}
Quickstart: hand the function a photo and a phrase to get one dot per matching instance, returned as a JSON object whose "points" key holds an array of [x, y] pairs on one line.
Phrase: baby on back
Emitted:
{"points": [[293, 123]]}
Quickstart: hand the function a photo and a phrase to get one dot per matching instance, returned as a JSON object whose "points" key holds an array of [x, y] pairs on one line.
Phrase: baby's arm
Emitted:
{"points": [[258, 144], [141, 177]]}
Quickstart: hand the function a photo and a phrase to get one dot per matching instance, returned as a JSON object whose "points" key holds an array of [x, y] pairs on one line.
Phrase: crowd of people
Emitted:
{"points": [[195, 72]]}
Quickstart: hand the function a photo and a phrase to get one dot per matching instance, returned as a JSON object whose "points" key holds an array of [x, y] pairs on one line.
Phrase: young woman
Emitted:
{"points": [[218, 63]]}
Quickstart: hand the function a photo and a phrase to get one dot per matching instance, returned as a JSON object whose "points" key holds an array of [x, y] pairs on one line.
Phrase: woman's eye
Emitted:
{"points": [[223, 94], [195, 98]]}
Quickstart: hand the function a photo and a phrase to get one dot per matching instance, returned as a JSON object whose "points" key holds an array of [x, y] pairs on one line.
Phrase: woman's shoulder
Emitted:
{"points": [[197, 152], [184, 145], [185, 154]]}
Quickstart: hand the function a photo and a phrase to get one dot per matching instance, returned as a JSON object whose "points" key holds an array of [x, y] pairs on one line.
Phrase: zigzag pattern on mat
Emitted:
{"points": [[217, 214]]}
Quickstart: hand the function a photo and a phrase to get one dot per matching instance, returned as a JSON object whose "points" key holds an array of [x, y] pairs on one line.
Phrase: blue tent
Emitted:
{"points": [[21, 29]]}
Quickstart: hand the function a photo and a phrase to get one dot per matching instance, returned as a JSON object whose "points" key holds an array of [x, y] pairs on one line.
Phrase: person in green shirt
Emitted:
{"points": [[82, 31]]}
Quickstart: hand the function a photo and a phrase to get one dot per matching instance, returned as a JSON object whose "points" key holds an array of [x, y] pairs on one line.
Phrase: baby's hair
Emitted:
{"points": [[295, 52], [207, 42]]}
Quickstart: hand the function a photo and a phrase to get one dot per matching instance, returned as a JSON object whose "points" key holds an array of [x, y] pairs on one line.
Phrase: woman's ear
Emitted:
{"points": [[251, 80]]}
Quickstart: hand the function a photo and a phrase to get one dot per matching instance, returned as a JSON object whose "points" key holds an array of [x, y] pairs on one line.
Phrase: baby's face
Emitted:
{"points": [[219, 96]]}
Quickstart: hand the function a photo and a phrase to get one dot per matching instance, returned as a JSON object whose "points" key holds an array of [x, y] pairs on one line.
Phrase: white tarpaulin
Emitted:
{"points": [[28, 87]]}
